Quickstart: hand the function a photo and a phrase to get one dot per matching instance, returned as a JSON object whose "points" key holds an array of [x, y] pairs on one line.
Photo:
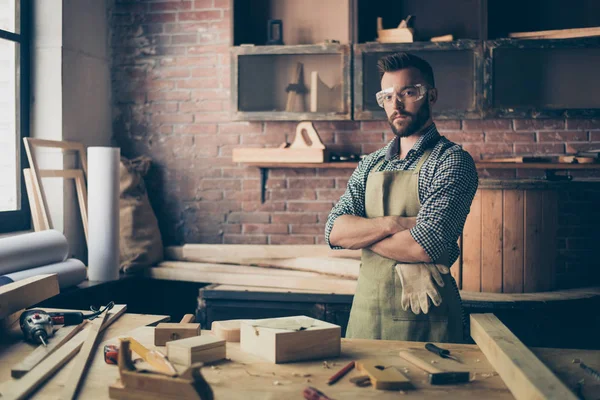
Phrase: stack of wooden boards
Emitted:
{"points": [[300, 267]]}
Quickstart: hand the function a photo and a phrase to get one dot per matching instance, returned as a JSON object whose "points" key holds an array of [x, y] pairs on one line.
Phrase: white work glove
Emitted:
{"points": [[418, 287]]}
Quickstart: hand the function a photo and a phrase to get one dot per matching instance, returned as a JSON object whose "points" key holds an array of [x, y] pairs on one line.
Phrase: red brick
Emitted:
{"points": [[223, 24], [296, 194], [208, 60], [264, 228], [184, 39], [374, 126], [330, 194], [166, 96], [210, 195], [232, 228], [563, 136], [245, 239], [203, 72], [201, 4], [213, 116], [165, 129], [163, 107], [298, 206], [200, 15], [587, 124], [307, 229], [241, 128], [212, 94], [510, 137], [169, 51], [294, 218], [575, 147], [252, 218], [187, 27], [171, 6], [160, 18], [168, 73], [251, 184], [286, 239], [207, 49], [308, 173], [311, 184], [276, 184], [197, 106], [463, 137], [487, 125], [172, 118], [341, 183], [261, 140], [539, 124], [224, 184], [196, 129], [478, 150], [365, 149], [198, 83], [337, 125], [540, 148], [224, 4], [448, 124], [595, 136], [253, 206], [281, 127], [155, 85]]}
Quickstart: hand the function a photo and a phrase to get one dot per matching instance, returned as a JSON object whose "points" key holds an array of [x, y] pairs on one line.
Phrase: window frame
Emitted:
{"points": [[20, 220]]}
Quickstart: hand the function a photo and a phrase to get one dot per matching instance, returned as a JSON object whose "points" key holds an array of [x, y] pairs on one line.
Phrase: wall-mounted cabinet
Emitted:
{"points": [[268, 85], [457, 68], [482, 73]]}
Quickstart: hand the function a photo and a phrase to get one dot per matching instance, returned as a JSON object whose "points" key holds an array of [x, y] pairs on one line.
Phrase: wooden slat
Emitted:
{"points": [[83, 359], [82, 197], [512, 264], [34, 205], [36, 180], [523, 373], [557, 33], [251, 276], [549, 229], [59, 173], [456, 269], [491, 241], [27, 292], [22, 388], [62, 336], [533, 241], [471, 250]]}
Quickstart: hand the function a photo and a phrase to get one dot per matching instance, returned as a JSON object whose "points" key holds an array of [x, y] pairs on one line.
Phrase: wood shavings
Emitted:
{"points": [[214, 367], [301, 375], [308, 381], [326, 365], [401, 392], [433, 362], [276, 383], [477, 360]]}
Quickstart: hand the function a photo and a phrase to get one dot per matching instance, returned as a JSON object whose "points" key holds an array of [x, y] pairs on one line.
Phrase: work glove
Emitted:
{"points": [[418, 286]]}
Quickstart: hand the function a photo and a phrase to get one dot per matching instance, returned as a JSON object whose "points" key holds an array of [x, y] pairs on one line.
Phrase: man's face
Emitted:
{"points": [[406, 119]]}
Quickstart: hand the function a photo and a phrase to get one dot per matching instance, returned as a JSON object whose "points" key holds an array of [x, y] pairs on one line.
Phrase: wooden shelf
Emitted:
{"points": [[338, 165], [479, 165]]}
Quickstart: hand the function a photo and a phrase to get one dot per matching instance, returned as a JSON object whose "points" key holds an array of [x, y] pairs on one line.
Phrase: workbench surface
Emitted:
{"points": [[245, 376]]}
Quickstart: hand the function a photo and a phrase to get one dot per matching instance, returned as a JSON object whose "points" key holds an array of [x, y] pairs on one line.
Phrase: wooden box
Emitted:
{"points": [[320, 340], [169, 331], [206, 348]]}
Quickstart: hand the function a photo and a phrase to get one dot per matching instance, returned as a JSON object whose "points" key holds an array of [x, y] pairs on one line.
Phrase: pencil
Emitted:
{"points": [[341, 373]]}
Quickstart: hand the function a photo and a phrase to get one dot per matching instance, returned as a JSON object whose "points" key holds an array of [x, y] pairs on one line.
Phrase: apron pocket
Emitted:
{"points": [[419, 329]]}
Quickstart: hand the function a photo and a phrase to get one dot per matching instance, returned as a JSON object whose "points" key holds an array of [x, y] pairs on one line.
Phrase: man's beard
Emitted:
{"points": [[416, 121]]}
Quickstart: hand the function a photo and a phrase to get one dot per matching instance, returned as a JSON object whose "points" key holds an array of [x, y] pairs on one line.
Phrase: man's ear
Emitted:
{"points": [[432, 95]]}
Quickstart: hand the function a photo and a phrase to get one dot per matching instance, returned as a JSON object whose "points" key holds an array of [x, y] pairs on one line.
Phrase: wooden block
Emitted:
{"points": [[321, 340], [168, 331], [227, 330], [522, 372], [27, 292], [384, 377], [287, 155], [196, 349]]}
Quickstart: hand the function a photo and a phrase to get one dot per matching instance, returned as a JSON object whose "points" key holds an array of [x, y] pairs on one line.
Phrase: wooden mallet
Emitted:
{"points": [[436, 375]]}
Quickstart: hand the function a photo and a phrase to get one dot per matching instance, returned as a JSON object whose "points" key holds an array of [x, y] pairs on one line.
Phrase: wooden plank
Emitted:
{"points": [[166, 332], [27, 292], [456, 269], [533, 241], [523, 373], [81, 188], [83, 359], [322, 97], [471, 250], [34, 205], [388, 378], [279, 155], [247, 253], [36, 180], [513, 234], [549, 231], [491, 241], [255, 276], [59, 173], [62, 336], [22, 388], [205, 348], [557, 33]]}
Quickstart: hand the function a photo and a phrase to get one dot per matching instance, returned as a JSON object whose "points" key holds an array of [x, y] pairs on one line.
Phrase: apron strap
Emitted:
{"points": [[422, 160]]}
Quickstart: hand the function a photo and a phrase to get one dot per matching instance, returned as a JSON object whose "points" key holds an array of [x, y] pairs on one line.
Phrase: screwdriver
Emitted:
{"points": [[440, 352]]}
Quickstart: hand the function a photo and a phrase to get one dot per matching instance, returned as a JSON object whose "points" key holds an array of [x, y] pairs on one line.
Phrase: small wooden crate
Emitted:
{"points": [[168, 331], [322, 340], [206, 348]]}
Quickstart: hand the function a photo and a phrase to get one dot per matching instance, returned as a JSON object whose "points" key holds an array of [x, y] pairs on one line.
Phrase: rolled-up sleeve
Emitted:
{"points": [[352, 202], [447, 203]]}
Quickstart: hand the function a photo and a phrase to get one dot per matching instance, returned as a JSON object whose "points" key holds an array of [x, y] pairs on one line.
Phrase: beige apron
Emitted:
{"points": [[376, 309]]}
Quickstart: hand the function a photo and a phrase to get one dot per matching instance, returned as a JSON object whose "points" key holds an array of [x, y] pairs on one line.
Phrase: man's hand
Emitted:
{"points": [[418, 286]]}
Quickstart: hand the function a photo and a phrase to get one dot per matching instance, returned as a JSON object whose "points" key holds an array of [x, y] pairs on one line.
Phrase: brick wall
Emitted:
{"points": [[171, 102]]}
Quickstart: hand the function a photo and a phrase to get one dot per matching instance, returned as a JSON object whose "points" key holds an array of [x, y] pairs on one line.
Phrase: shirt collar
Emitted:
{"points": [[430, 136]]}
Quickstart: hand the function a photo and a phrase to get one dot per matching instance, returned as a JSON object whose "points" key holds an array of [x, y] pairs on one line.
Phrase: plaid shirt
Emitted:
{"points": [[447, 184]]}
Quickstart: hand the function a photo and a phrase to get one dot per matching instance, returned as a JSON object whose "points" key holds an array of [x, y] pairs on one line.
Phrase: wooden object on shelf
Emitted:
{"points": [[286, 343], [250, 254], [443, 38], [18, 295], [298, 151], [520, 159], [384, 377], [296, 91], [136, 385], [168, 331], [205, 349], [227, 330], [401, 34], [557, 34], [577, 159], [522, 372], [83, 359], [322, 97], [251, 276]]}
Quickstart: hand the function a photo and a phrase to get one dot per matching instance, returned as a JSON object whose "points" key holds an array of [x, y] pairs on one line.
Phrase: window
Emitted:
{"points": [[14, 113]]}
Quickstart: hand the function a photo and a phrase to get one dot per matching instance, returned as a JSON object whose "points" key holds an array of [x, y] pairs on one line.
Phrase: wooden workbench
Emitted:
{"points": [[245, 376]]}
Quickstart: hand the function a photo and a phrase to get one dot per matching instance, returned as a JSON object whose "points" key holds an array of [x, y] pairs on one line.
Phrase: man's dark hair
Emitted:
{"points": [[398, 61]]}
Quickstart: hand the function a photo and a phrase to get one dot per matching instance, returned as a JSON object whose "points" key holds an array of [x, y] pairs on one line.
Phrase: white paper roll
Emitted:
{"points": [[70, 272], [103, 213], [32, 250]]}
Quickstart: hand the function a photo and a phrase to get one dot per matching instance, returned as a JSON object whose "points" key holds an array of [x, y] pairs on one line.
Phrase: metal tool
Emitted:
{"points": [[590, 370], [436, 375], [38, 325], [154, 358], [441, 352]]}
